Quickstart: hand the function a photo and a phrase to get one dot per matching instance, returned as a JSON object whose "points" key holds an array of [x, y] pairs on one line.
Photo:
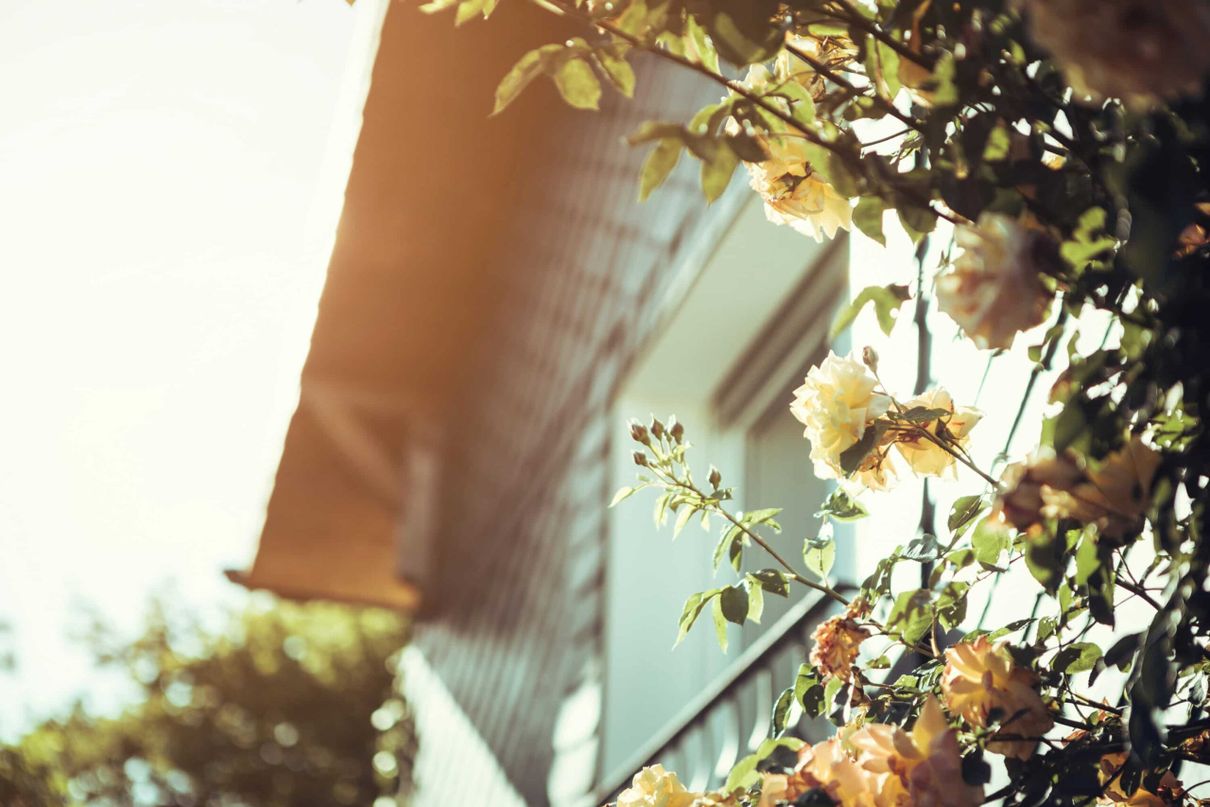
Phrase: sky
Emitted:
{"points": [[169, 184]]}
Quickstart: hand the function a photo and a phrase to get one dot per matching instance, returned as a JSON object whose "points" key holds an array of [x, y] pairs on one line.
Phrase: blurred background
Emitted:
{"points": [[168, 196]]}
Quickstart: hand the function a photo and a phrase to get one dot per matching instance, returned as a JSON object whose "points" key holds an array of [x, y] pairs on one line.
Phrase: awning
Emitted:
{"points": [[411, 280]]}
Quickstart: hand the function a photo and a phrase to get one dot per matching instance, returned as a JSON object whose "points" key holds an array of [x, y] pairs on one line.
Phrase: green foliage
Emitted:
{"points": [[886, 300], [290, 705]]}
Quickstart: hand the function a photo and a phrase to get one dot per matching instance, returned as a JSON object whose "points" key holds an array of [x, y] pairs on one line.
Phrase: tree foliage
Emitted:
{"points": [[290, 705]]}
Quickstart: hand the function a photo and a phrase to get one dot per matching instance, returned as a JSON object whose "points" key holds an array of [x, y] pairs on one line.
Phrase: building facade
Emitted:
{"points": [[498, 305]]}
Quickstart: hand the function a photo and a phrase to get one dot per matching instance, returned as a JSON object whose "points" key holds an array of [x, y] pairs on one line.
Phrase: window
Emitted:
{"points": [[750, 322]]}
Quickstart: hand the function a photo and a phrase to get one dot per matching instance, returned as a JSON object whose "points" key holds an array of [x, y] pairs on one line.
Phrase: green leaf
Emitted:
{"points": [[886, 300], [1077, 658], [748, 148], [1088, 560], [868, 217], [658, 165], [527, 68], [692, 610], [436, 6], [731, 536], [964, 511], [1046, 559], [922, 414], [819, 555], [772, 581], [839, 506], [756, 601], [741, 31], [998, 144], [754, 518], [617, 69], [656, 130], [704, 48], [950, 609], [945, 90], [882, 64], [989, 541], [912, 615], [682, 518], [720, 623], [717, 168], [467, 11], [734, 604], [661, 509], [781, 715], [624, 492], [577, 83], [852, 457], [745, 773]]}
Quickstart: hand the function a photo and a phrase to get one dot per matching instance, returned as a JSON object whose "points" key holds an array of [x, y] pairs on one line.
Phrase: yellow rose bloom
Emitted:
{"points": [[993, 290], [981, 679], [924, 456], [793, 193], [836, 403], [655, 787], [924, 765], [879, 765]]}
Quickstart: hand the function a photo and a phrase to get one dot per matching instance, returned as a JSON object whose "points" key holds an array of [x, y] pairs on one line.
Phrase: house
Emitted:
{"points": [[497, 306]]}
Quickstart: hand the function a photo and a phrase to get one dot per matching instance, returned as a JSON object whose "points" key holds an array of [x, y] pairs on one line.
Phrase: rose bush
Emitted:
{"points": [[1054, 155]]}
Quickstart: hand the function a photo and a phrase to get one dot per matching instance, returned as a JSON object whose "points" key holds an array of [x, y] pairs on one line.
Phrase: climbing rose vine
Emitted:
{"points": [[1049, 159]]}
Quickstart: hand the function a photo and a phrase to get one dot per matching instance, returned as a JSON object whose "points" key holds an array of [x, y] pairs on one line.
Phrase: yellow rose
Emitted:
{"points": [[981, 678], [655, 787], [923, 766], [1140, 51], [923, 455], [837, 643], [993, 290], [879, 765], [832, 766], [836, 403], [1114, 496], [793, 193]]}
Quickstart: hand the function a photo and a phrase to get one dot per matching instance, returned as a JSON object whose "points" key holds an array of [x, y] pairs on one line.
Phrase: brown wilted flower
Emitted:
{"points": [[1114, 495], [1027, 484], [1141, 51], [982, 683], [993, 290], [1167, 794], [837, 644]]}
